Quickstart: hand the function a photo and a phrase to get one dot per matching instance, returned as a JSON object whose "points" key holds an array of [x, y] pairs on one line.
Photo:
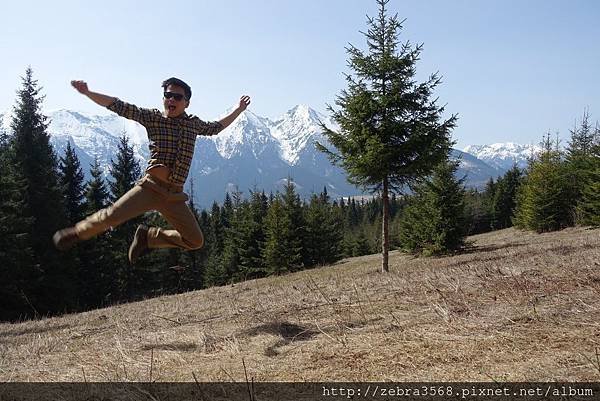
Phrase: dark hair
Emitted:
{"points": [[180, 83]]}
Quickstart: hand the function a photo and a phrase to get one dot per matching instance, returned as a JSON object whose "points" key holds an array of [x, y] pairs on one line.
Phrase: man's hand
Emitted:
{"points": [[81, 87], [244, 102]]}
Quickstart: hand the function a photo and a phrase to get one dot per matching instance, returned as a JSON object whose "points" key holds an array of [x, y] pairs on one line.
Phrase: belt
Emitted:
{"points": [[169, 186]]}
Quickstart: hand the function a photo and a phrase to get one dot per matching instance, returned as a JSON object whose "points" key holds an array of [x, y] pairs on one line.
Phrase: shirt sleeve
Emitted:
{"points": [[132, 112], [206, 128]]}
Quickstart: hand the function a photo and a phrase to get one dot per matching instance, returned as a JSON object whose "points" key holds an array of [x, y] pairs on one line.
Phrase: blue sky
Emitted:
{"points": [[512, 70]]}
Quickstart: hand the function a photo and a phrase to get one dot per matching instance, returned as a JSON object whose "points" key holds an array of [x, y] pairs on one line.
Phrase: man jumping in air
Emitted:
{"points": [[172, 135]]}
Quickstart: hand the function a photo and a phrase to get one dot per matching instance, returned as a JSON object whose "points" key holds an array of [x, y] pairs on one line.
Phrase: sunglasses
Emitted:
{"points": [[176, 96]]}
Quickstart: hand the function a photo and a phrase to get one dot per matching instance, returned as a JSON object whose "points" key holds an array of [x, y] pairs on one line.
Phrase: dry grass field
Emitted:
{"points": [[517, 306]]}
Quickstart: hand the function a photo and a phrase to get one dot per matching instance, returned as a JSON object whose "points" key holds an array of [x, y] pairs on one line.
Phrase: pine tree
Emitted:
{"points": [[35, 158], [504, 198], [71, 182], [324, 234], [390, 129], [17, 272], [52, 287], [278, 228], [580, 160], [543, 201], [230, 257], [213, 272], [195, 259], [434, 222], [251, 236], [97, 264], [589, 206], [125, 171], [294, 237], [96, 194]]}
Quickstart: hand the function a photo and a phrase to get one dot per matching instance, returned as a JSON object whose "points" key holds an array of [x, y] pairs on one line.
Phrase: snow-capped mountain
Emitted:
{"points": [[503, 156], [253, 153]]}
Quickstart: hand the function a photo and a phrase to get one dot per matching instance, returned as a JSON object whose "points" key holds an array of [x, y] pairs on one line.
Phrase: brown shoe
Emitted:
{"points": [[139, 245], [65, 239]]}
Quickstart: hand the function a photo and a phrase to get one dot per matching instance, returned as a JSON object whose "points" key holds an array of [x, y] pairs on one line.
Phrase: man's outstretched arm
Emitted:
{"points": [[227, 120], [129, 111], [98, 98]]}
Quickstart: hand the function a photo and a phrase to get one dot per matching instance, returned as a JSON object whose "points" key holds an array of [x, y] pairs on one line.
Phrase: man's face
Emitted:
{"points": [[174, 107]]}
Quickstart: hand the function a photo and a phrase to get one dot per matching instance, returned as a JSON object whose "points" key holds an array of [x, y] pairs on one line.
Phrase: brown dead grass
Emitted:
{"points": [[517, 307]]}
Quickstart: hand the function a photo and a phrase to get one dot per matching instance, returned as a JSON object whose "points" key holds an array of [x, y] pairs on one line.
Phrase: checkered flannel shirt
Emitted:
{"points": [[172, 140]]}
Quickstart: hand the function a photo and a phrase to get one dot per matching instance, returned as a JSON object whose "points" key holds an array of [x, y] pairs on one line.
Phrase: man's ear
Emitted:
{"points": [[187, 104]]}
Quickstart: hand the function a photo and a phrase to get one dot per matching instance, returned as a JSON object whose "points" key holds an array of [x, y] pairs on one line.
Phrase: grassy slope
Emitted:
{"points": [[518, 307]]}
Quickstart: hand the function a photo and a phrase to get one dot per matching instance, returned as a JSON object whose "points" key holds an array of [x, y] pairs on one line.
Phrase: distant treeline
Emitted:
{"points": [[250, 235]]}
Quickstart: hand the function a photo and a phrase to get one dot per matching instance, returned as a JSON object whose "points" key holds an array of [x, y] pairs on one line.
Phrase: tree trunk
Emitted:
{"points": [[384, 224]]}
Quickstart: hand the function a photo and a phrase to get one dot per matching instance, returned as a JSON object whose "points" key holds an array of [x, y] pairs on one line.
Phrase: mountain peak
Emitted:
{"points": [[304, 112]]}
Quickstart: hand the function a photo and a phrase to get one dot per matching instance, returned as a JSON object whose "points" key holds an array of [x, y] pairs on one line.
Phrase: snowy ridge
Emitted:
{"points": [[503, 156], [254, 152]]}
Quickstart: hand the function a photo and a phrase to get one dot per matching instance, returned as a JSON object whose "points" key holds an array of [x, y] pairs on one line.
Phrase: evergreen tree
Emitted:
{"points": [[251, 236], [295, 235], [477, 212], [230, 256], [213, 272], [17, 273], [125, 171], [35, 158], [324, 234], [580, 160], [52, 285], [543, 202], [194, 259], [589, 206], [390, 128], [504, 199], [278, 231], [71, 182], [97, 271], [96, 194], [433, 222], [360, 244]]}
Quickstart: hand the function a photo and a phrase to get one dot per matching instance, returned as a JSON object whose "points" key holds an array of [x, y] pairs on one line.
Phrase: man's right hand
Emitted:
{"points": [[81, 87]]}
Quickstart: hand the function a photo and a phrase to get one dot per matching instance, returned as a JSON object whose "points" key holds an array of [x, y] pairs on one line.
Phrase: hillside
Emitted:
{"points": [[516, 307]]}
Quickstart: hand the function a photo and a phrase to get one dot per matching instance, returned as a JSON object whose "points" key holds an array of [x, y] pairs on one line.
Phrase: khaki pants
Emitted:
{"points": [[149, 194]]}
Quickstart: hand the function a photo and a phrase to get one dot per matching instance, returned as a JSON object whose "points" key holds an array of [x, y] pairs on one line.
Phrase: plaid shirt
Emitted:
{"points": [[172, 140]]}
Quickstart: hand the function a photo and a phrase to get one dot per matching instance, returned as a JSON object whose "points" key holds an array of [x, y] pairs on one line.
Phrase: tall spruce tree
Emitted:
{"points": [[17, 273], [580, 160], [72, 185], [434, 221], [323, 241], [543, 200], [294, 237], [278, 231], [97, 266], [36, 160], [213, 273], [52, 286], [504, 199], [251, 236], [390, 127], [125, 171], [588, 209], [96, 193]]}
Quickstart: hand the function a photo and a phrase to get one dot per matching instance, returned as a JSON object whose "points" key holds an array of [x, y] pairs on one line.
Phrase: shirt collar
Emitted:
{"points": [[182, 116]]}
